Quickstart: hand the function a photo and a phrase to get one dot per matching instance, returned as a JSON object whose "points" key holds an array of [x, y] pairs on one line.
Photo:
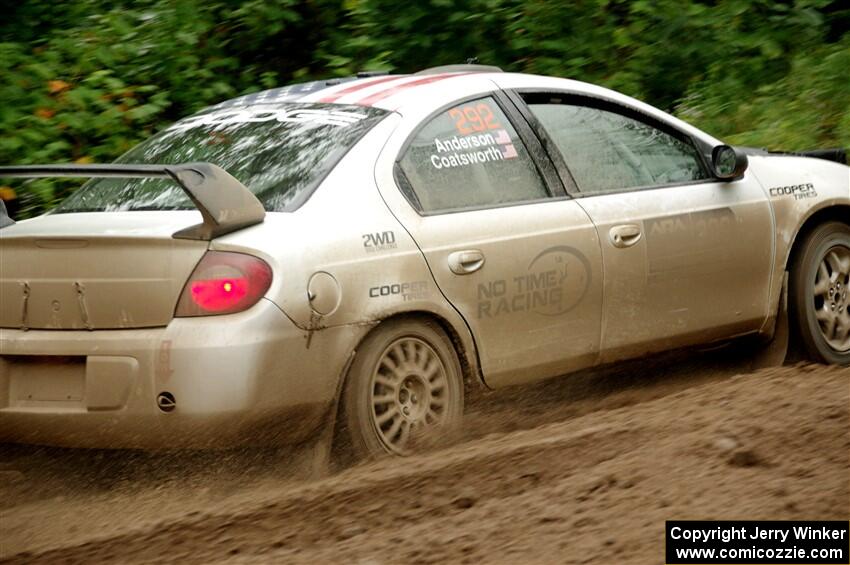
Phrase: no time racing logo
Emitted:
{"points": [[556, 282]]}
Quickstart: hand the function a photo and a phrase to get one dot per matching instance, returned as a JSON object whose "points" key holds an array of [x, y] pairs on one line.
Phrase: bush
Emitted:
{"points": [[85, 80]]}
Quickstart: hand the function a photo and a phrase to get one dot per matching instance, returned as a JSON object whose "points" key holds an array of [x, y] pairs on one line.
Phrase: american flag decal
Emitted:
{"points": [[509, 151], [502, 137]]}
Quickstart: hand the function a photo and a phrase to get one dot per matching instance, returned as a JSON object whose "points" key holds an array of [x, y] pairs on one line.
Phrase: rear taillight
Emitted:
{"points": [[224, 283]]}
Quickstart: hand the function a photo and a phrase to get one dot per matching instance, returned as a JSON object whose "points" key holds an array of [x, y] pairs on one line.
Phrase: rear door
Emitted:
{"points": [[511, 252], [687, 259]]}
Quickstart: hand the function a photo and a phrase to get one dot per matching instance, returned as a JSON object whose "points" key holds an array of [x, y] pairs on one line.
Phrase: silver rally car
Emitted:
{"points": [[359, 253]]}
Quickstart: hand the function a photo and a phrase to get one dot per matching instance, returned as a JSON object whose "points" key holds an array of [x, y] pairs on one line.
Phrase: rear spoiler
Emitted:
{"points": [[226, 205]]}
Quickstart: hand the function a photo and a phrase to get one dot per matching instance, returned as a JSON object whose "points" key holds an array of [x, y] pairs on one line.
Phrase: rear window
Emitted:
{"points": [[281, 152]]}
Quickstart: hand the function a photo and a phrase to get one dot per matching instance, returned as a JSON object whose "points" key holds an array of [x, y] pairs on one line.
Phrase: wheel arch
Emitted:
{"points": [[461, 338], [803, 327], [459, 334], [462, 341], [834, 213]]}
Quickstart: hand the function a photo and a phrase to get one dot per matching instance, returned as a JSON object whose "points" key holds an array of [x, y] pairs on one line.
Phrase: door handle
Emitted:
{"points": [[466, 262], [625, 235]]}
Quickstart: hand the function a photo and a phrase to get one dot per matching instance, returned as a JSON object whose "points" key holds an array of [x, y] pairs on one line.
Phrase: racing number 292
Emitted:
{"points": [[474, 118]]}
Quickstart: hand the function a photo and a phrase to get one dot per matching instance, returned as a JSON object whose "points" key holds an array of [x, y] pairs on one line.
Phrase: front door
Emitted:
{"points": [[687, 258]]}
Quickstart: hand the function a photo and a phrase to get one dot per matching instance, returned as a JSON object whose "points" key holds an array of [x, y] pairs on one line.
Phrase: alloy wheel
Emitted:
{"points": [[832, 298], [409, 393]]}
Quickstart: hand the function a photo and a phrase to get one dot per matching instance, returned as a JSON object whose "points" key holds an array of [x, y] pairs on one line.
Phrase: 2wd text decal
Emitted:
{"points": [[379, 241]]}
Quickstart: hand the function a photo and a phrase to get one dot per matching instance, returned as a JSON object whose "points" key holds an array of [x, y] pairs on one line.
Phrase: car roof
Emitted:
{"points": [[386, 91], [364, 89], [401, 93], [361, 91]]}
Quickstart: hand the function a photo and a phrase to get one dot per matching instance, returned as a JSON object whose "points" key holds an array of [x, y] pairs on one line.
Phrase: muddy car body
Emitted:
{"points": [[469, 232]]}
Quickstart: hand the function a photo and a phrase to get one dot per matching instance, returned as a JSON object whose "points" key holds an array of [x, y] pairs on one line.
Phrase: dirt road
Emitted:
{"points": [[578, 471]]}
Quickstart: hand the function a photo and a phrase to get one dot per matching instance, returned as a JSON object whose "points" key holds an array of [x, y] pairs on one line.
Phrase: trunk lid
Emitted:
{"points": [[103, 270]]}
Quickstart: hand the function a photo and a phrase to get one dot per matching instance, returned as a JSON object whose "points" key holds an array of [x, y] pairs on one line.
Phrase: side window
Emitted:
{"points": [[608, 151], [469, 156]]}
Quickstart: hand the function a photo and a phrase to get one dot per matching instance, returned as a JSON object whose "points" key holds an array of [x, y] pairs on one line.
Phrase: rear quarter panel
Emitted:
{"points": [[369, 266]]}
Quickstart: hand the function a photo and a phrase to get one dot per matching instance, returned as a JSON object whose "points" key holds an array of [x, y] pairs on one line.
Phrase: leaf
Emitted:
{"points": [[57, 86]]}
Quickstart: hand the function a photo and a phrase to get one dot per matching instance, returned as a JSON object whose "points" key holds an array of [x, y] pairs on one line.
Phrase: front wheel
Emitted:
{"points": [[820, 297], [404, 389]]}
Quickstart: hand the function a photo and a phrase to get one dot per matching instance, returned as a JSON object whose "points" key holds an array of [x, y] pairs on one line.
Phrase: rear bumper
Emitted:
{"points": [[236, 379]]}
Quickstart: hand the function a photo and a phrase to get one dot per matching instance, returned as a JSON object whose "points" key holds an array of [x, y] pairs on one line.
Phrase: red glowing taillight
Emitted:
{"points": [[224, 283]]}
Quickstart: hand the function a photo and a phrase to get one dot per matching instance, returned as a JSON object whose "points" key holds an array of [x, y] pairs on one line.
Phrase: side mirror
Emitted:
{"points": [[729, 163]]}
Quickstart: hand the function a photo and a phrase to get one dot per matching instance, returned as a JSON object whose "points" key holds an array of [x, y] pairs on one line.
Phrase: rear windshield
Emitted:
{"points": [[281, 152]]}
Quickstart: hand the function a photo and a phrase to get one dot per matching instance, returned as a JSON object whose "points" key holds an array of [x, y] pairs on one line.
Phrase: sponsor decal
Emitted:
{"points": [[415, 290], [480, 138], [267, 113], [287, 93], [701, 223], [474, 118], [348, 90], [798, 191], [379, 241], [459, 151], [557, 280], [685, 245], [404, 84]]}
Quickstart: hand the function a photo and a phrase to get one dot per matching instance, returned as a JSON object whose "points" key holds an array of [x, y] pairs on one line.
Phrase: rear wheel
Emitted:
{"points": [[404, 389], [820, 297]]}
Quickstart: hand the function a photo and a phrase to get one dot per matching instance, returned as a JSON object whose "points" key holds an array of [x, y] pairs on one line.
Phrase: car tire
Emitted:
{"points": [[404, 390], [819, 293]]}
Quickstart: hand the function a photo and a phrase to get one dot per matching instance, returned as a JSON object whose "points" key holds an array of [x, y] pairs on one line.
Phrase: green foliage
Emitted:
{"points": [[807, 107], [85, 80]]}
